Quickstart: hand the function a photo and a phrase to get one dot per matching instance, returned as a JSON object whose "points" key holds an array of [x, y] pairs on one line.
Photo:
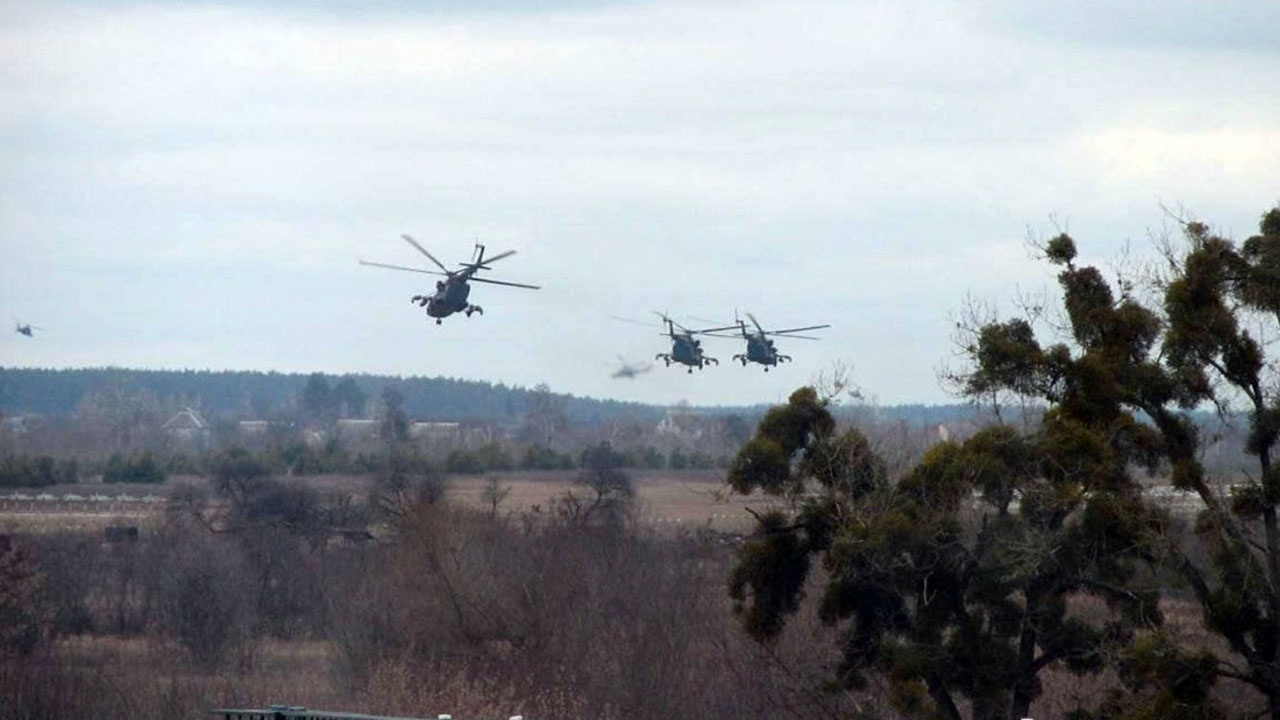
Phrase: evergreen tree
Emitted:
{"points": [[1126, 383], [953, 582]]}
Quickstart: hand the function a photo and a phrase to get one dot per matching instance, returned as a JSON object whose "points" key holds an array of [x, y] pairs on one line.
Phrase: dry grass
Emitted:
{"points": [[57, 520], [691, 499], [686, 499]]}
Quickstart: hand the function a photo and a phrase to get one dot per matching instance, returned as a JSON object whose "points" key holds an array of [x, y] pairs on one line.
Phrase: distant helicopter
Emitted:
{"points": [[760, 349], [685, 348], [451, 293], [630, 370], [28, 330]]}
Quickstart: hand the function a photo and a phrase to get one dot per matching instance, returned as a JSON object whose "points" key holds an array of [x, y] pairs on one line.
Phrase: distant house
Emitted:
{"points": [[187, 430]]}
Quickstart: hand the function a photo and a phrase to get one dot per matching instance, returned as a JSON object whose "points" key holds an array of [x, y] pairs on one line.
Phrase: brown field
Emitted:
{"points": [[677, 499], [695, 498]]}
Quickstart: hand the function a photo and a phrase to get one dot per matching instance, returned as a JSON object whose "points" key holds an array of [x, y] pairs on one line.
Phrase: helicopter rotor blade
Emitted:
{"points": [[423, 250], [799, 329], [799, 337], [629, 320], [508, 284], [755, 322], [483, 262], [710, 331], [401, 267]]}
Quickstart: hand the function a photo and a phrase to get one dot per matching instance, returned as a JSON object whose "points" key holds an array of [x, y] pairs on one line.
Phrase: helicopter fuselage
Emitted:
{"points": [[450, 297], [761, 350], [686, 351]]}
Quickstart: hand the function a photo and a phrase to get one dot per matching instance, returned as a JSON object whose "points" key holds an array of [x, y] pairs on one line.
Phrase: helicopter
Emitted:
{"points": [[760, 349], [630, 370], [685, 348], [28, 330], [451, 294]]}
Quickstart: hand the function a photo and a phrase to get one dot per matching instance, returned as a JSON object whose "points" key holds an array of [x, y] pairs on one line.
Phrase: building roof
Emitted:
{"points": [[185, 419]]}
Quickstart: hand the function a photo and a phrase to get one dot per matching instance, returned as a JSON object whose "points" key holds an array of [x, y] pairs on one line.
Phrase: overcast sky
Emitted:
{"points": [[190, 185]]}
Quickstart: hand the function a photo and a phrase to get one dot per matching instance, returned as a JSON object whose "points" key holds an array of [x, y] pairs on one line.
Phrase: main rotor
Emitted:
{"points": [[466, 274], [759, 332]]}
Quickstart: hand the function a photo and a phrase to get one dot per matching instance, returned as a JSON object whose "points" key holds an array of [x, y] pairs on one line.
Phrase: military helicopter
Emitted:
{"points": [[685, 348], [630, 370], [451, 293], [760, 349], [28, 330]]}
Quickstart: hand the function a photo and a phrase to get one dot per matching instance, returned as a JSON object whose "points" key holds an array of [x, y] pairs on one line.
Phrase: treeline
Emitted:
{"points": [[245, 394], [299, 460], [34, 471], [493, 457]]}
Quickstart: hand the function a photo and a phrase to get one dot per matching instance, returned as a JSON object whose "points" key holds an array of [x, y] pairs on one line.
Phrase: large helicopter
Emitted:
{"points": [[760, 349], [685, 348], [28, 330], [451, 293]]}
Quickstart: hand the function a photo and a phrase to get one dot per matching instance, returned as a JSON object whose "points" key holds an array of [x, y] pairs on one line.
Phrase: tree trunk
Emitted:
{"points": [[1022, 689], [946, 706], [1273, 586]]}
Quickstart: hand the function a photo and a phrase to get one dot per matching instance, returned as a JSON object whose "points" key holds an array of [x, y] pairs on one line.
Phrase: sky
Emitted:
{"points": [[192, 184]]}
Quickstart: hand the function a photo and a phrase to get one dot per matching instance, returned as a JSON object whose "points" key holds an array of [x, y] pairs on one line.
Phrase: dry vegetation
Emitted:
{"points": [[461, 606], [467, 606]]}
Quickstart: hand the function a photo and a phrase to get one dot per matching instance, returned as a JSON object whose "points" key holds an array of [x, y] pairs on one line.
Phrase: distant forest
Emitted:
{"points": [[272, 395]]}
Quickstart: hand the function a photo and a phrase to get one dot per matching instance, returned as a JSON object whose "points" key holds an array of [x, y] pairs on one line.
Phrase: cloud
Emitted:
{"points": [[199, 174]]}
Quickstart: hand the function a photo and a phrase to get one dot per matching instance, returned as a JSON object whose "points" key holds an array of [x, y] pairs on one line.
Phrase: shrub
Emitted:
{"points": [[21, 620], [27, 471], [137, 469]]}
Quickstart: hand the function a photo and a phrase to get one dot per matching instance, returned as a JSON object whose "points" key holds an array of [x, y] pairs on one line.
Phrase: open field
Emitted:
{"points": [[695, 498], [678, 499], [665, 498]]}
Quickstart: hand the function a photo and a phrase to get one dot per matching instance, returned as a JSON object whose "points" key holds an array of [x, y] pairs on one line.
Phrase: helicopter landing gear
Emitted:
{"points": [[664, 357], [439, 321], [421, 300], [742, 359], [474, 309]]}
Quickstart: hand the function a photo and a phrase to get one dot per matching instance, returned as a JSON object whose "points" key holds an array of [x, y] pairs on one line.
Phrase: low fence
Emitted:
{"points": [[96, 503]]}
